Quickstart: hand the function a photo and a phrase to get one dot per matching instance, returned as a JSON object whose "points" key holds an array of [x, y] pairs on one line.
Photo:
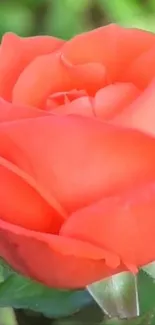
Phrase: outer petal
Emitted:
{"points": [[124, 225], [21, 204], [78, 160], [11, 112], [113, 46], [54, 260], [141, 113], [16, 53]]}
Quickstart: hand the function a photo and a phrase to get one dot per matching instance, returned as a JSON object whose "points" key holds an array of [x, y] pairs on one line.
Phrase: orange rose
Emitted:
{"points": [[77, 155]]}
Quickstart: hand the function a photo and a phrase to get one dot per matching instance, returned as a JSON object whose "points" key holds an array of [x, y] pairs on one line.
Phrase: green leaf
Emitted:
{"points": [[91, 315], [19, 292], [150, 269], [146, 290], [129, 13], [122, 10]]}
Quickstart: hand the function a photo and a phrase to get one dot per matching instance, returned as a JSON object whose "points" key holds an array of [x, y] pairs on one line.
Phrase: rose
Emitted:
{"points": [[77, 151]]}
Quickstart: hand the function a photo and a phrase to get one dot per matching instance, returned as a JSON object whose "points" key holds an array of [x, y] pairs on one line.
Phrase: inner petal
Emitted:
{"points": [[140, 114], [111, 100], [63, 97], [142, 70], [52, 74], [82, 106]]}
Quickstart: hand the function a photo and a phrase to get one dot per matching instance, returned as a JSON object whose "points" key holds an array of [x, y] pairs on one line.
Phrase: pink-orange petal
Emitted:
{"points": [[113, 46], [21, 205], [16, 53], [77, 159], [111, 100], [82, 106], [56, 261], [50, 74], [90, 76], [142, 70], [42, 77], [141, 113], [11, 112], [124, 225], [63, 97]]}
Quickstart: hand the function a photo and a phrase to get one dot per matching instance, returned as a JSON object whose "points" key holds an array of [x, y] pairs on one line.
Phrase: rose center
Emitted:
{"points": [[64, 97]]}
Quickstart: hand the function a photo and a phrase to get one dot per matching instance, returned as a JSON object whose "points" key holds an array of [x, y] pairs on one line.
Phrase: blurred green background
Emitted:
{"points": [[65, 18]]}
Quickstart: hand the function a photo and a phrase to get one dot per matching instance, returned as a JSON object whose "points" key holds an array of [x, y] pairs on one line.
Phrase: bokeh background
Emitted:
{"points": [[65, 18]]}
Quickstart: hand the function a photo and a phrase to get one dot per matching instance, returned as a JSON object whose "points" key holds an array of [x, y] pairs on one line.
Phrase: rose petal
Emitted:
{"points": [[113, 46], [63, 97], [141, 113], [111, 100], [50, 74], [54, 260], [42, 77], [16, 53], [21, 205], [81, 106], [85, 159], [91, 76], [142, 70], [11, 112], [123, 225]]}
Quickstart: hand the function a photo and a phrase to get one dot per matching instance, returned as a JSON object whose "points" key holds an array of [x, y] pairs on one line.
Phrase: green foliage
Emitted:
{"points": [[22, 293], [65, 18], [131, 13], [92, 315], [19, 292]]}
